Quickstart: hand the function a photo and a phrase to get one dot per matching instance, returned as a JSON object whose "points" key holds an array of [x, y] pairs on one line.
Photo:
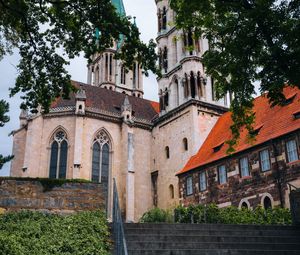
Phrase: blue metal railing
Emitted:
{"points": [[120, 247]]}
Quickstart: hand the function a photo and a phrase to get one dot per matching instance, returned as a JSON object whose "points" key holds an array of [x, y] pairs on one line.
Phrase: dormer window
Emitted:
{"points": [[289, 99], [256, 130], [218, 147], [296, 115]]}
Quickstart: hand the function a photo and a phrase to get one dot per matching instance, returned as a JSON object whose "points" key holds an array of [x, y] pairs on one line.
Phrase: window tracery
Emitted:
{"points": [[58, 155]]}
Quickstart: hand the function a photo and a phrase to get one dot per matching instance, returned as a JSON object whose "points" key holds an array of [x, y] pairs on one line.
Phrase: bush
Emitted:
{"points": [[157, 215], [232, 215], [34, 233]]}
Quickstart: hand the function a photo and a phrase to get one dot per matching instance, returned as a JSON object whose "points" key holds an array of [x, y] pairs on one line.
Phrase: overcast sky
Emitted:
{"points": [[145, 12]]}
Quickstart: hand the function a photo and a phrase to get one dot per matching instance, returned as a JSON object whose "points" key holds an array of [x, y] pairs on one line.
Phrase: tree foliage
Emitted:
{"points": [[4, 108], [48, 32], [250, 40]]}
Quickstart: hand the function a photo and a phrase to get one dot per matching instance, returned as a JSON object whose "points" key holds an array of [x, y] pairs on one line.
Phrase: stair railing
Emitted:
{"points": [[120, 247], [292, 187]]}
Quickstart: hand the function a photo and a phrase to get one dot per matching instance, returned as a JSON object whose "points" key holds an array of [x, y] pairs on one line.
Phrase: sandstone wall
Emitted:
{"points": [[32, 194]]}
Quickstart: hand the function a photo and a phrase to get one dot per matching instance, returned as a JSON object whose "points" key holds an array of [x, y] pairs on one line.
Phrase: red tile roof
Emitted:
{"points": [[271, 122], [111, 101]]}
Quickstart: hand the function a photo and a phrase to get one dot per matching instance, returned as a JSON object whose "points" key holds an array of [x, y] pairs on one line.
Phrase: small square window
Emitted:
{"points": [[292, 152], [265, 163], [222, 174], [202, 181], [189, 186], [244, 167]]}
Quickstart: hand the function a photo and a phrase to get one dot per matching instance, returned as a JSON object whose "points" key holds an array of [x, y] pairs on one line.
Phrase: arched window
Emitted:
{"points": [[166, 97], [193, 85], [267, 203], [59, 156], [164, 18], [185, 144], [159, 20], [171, 191], [176, 93], [165, 59], [167, 152], [160, 58], [134, 75], [244, 205], [100, 158], [110, 66], [123, 75], [97, 76], [190, 41], [106, 67]]}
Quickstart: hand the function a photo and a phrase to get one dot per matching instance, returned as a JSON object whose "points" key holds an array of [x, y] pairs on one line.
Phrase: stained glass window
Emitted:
{"points": [[58, 156], [101, 158]]}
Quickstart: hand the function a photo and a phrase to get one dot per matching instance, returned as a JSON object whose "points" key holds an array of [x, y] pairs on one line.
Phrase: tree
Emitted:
{"points": [[47, 32], [250, 40], [4, 107]]}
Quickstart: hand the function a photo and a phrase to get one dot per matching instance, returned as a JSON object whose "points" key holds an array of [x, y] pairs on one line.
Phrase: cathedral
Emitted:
{"points": [[108, 131]]}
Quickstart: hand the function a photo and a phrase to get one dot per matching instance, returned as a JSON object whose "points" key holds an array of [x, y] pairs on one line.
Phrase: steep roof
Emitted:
{"points": [[110, 101], [270, 123]]}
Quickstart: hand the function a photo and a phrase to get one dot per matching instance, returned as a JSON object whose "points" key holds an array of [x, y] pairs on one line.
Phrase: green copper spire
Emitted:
{"points": [[119, 6]]}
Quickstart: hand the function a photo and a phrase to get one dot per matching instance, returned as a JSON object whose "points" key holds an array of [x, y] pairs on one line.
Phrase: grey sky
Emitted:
{"points": [[145, 12]]}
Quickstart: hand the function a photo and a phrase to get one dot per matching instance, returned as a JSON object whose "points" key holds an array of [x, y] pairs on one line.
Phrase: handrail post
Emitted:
{"points": [[120, 247]]}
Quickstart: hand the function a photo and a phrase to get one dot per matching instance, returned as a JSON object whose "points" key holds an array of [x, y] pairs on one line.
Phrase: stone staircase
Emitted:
{"points": [[211, 239]]}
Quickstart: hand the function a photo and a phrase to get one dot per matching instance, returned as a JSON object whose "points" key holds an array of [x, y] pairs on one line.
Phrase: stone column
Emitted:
{"points": [[189, 96], [89, 76], [78, 147], [180, 91], [130, 180]]}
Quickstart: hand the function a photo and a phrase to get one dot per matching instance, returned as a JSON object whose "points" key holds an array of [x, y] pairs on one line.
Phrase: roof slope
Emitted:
{"points": [[111, 101], [271, 123]]}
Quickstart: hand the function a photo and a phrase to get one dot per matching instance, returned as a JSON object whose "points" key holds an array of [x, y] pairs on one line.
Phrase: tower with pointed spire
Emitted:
{"points": [[107, 72]]}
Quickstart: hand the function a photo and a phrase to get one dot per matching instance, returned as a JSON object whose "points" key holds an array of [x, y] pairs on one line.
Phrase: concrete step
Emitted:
{"points": [[211, 252], [207, 226], [211, 238], [211, 245], [221, 232]]}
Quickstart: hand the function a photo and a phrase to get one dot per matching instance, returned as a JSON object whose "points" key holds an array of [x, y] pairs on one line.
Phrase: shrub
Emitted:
{"points": [[157, 215], [232, 215], [34, 233]]}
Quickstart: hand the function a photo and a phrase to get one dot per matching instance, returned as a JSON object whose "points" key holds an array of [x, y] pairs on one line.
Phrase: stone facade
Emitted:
{"points": [[37, 195], [34, 141], [251, 190], [138, 131]]}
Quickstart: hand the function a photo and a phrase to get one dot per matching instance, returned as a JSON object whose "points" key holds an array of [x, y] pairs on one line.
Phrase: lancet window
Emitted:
{"points": [[58, 155], [101, 157]]}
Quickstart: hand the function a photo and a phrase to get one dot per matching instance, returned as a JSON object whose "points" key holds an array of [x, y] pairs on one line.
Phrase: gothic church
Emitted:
{"points": [[107, 130]]}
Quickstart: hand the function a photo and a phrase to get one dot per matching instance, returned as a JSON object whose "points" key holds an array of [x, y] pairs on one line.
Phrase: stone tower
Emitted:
{"points": [[107, 72], [180, 54]]}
